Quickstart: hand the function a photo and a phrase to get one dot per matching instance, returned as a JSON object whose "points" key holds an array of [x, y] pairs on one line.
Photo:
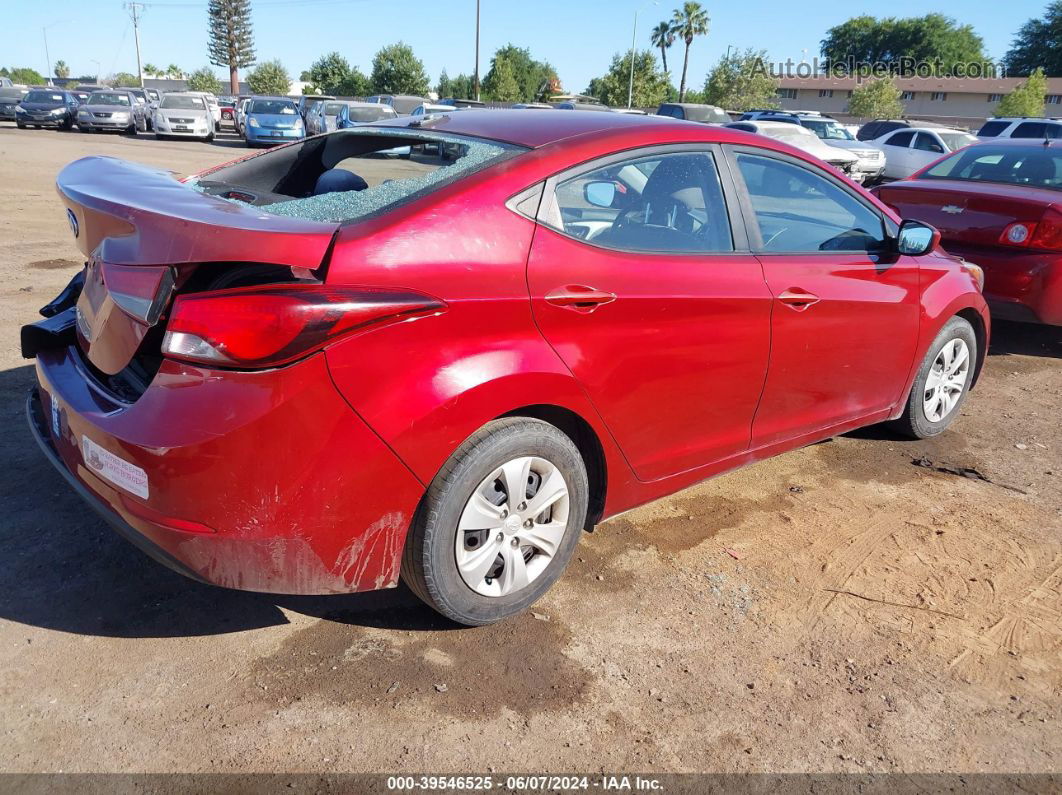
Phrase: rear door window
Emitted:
{"points": [[990, 129], [1032, 129], [901, 139]]}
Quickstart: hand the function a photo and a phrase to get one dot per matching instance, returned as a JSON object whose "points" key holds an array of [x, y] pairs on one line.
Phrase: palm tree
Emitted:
{"points": [[687, 23], [174, 71], [62, 71], [663, 36], [151, 70]]}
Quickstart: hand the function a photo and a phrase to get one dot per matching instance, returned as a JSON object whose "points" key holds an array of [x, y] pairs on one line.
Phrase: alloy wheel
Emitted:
{"points": [[512, 526], [946, 380]]}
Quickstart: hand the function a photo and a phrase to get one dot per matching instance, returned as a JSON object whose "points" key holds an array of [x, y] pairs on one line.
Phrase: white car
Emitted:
{"points": [[801, 138], [427, 109], [871, 163], [910, 149], [1020, 127], [185, 115]]}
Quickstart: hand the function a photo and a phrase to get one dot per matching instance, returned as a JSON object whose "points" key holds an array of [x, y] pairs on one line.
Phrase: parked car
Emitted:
{"points": [[351, 114], [997, 203], [402, 103], [111, 110], [228, 108], [1021, 127], [308, 102], [706, 114], [367, 405], [575, 105], [532, 106], [241, 114], [909, 150], [428, 108], [873, 130], [184, 115], [142, 98], [801, 138], [463, 103], [46, 107], [10, 96], [871, 163], [272, 120]]}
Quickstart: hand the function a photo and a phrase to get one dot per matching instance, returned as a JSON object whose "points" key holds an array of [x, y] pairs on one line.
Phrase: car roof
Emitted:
{"points": [[1025, 118], [767, 124], [1039, 143], [536, 128]]}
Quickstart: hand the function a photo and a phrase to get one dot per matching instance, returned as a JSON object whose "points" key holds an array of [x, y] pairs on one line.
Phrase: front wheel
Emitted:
{"points": [[499, 522], [942, 382]]}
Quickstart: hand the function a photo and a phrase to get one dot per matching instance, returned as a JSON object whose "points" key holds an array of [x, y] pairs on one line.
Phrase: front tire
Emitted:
{"points": [[942, 382], [499, 522]]}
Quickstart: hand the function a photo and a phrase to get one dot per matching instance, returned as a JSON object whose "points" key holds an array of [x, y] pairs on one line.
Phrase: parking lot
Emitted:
{"points": [[863, 580]]}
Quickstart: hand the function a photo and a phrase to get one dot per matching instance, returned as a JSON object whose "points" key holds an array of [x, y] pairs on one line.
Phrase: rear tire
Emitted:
{"points": [[445, 524], [942, 382]]}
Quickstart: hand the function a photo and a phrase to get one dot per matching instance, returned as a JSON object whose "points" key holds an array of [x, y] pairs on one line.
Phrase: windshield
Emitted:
{"points": [[956, 140], [370, 114], [1034, 166], [380, 179], [274, 107], [47, 97], [332, 108], [827, 129], [108, 98], [177, 102]]}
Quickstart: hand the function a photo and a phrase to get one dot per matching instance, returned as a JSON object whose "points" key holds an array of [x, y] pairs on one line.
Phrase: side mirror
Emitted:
{"points": [[916, 238], [600, 194]]}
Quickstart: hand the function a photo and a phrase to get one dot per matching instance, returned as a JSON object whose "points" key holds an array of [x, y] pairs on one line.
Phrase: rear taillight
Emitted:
{"points": [[272, 325], [1043, 234]]}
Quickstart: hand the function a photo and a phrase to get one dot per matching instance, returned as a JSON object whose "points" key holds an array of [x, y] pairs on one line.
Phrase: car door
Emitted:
{"points": [[926, 148], [845, 320], [897, 148], [642, 282]]}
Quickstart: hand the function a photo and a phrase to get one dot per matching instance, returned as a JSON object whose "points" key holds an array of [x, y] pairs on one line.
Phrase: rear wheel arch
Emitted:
{"points": [[588, 443]]}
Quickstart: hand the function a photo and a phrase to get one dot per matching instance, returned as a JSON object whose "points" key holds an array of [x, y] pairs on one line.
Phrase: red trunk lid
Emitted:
{"points": [[140, 226], [967, 213]]}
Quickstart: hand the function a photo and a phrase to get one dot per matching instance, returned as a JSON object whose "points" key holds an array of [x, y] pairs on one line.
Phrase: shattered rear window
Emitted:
{"points": [[397, 174]]}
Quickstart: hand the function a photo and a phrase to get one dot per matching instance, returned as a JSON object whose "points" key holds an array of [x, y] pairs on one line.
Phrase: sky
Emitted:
{"points": [[579, 37]]}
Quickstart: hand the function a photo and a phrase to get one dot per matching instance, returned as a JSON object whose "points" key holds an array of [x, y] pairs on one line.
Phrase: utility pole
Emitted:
{"points": [[135, 10], [93, 60], [48, 71], [475, 78]]}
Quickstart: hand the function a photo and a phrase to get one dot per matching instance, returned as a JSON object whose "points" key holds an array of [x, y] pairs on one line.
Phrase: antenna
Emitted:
{"points": [[135, 10]]}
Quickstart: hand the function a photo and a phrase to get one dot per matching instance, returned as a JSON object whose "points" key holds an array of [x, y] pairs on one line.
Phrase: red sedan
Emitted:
{"points": [[998, 204], [321, 367]]}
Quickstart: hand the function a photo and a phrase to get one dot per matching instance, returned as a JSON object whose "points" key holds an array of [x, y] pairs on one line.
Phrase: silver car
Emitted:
{"points": [[112, 110], [184, 115]]}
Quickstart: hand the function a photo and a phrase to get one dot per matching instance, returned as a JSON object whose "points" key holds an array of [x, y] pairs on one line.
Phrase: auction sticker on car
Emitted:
{"points": [[117, 470]]}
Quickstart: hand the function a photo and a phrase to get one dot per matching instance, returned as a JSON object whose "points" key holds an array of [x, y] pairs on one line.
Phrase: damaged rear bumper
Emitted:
{"points": [[262, 481]]}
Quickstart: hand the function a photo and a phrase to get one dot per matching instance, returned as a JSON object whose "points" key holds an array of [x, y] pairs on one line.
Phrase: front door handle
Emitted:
{"points": [[579, 298], [798, 299]]}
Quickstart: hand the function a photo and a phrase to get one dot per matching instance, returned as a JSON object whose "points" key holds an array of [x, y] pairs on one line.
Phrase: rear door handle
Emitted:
{"points": [[798, 299], [579, 297]]}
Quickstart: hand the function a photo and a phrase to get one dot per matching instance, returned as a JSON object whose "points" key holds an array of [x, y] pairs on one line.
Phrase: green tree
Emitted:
{"points": [[26, 76], [1038, 45], [152, 71], [650, 84], [356, 85], [396, 70], [934, 39], [739, 81], [175, 72], [328, 73], [443, 87], [662, 37], [461, 87], [62, 71], [204, 80], [878, 99], [231, 38], [687, 23], [504, 88], [124, 79], [1027, 99], [269, 77], [534, 78]]}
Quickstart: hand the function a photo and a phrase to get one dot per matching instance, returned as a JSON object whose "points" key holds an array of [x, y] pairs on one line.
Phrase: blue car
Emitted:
{"points": [[272, 120]]}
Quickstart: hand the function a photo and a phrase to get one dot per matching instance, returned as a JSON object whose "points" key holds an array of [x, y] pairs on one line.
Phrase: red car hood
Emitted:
{"points": [[129, 214]]}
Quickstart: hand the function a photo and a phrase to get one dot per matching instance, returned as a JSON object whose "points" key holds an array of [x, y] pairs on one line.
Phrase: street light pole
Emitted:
{"points": [[93, 60], [634, 44], [134, 12], [48, 58]]}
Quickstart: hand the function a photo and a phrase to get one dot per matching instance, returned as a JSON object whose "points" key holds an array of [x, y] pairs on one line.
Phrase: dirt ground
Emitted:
{"points": [[874, 615]]}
